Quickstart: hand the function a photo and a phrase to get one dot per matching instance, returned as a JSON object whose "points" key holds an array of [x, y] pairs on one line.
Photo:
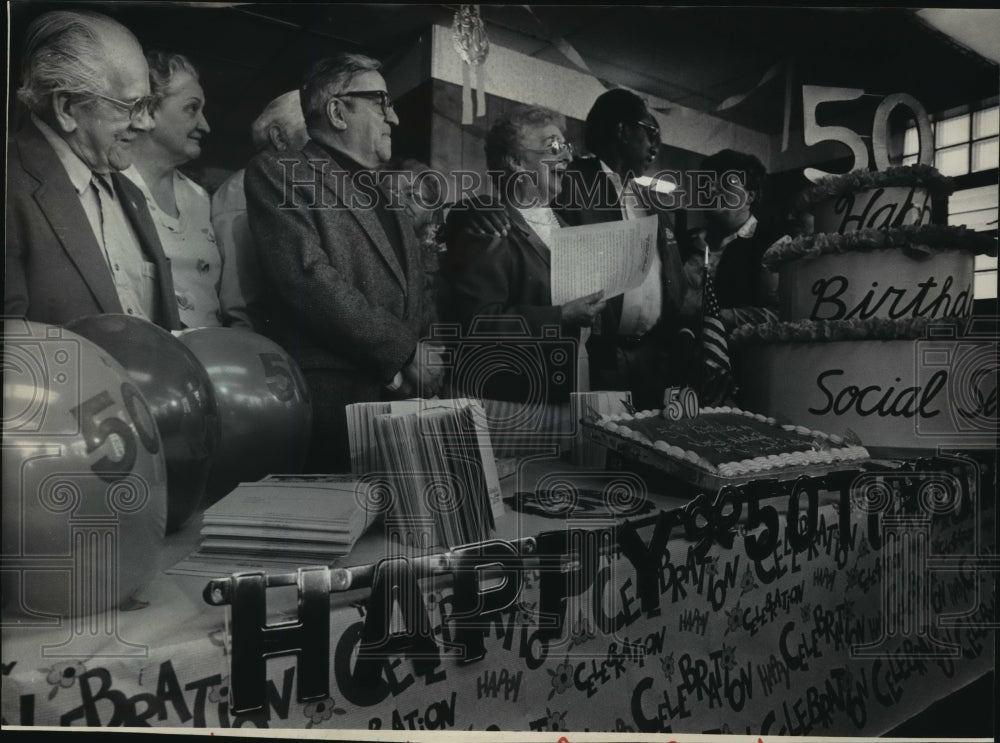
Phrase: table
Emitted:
{"points": [[842, 625]]}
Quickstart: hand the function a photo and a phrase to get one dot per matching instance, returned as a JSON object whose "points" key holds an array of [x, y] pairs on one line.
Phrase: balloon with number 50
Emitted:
{"points": [[180, 398], [84, 477], [264, 405]]}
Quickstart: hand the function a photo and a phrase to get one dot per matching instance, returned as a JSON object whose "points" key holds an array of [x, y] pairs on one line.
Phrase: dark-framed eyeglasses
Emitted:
{"points": [[384, 101], [554, 147], [652, 131], [134, 108]]}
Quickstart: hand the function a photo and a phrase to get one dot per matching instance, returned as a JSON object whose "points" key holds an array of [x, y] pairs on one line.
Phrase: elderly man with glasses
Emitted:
{"points": [[345, 279], [80, 239]]}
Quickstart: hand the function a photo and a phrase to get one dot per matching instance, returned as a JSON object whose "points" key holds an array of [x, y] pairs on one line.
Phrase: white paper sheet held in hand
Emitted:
{"points": [[613, 256]]}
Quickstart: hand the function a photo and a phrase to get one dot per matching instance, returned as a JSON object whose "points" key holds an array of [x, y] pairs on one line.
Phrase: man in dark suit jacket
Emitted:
{"points": [[346, 282], [79, 237], [634, 346]]}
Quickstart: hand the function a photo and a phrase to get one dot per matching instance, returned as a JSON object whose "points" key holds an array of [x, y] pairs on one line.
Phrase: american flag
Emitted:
{"points": [[717, 381]]}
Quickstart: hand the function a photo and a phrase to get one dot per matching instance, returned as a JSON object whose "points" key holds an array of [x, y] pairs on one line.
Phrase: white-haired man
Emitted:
{"points": [[80, 240], [279, 128]]}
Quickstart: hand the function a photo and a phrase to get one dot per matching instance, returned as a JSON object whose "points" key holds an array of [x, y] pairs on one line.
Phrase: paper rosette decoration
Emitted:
{"points": [[469, 37]]}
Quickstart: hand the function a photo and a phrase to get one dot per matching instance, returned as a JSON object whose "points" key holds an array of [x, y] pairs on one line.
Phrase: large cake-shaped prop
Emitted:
{"points": [[875, 308], [722, 446]]}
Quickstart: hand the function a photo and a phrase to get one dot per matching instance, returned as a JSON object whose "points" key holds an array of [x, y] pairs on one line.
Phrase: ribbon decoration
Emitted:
{"points": [[787, 119], [771, 73], [468, 35], [735, 100], [568, 50]]}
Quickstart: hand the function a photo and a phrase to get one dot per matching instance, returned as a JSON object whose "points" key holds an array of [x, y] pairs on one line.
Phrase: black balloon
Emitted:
{"points": [[180, 398], [263, 403]]}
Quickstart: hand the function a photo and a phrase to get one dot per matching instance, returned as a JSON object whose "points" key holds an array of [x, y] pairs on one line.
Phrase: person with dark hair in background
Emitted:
{"points": [[79, 237], [736, 242], [345, 294], [279, 128], [180, 208]]}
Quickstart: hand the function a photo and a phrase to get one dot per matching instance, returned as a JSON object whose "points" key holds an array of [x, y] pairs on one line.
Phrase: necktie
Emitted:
{"points": [[102, 191], [122, 253]]}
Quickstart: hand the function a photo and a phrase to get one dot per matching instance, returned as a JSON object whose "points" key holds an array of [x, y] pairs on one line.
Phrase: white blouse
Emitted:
{"points": [[189, 242]]}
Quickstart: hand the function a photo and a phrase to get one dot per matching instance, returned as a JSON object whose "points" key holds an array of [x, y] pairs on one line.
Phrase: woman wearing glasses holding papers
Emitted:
{"points": [[499, 288], [526, 153]]}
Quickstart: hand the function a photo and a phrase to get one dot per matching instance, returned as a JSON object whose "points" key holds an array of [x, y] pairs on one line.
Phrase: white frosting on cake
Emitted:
{"points": [[837, 453]]}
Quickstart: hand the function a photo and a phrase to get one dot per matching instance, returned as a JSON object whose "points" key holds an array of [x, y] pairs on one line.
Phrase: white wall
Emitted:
{"points": [[521, 78]]}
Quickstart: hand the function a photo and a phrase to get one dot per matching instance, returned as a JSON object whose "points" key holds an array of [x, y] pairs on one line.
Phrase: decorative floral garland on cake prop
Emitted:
{"points": [[937, 185], [915, 242], [830, 331]]}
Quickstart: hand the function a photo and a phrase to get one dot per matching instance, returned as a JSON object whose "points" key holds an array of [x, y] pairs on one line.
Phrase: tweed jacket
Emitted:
{"points": [[336, 295], [55, 269]]}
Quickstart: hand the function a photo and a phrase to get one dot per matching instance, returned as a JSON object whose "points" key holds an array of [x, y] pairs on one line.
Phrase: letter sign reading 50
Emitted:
{"points": [[813, 133]]}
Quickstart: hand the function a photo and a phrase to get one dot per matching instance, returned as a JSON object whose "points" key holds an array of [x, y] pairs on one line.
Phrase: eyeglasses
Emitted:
{"points": [[134, 108], [555, 147], [383, 98], [652, 131]]}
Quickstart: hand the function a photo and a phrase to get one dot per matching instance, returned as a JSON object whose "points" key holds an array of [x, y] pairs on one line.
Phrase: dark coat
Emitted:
{"points": [[587, 195], [499, 290], [736, 276], [499, 276], [337, 295], [55, 268]]}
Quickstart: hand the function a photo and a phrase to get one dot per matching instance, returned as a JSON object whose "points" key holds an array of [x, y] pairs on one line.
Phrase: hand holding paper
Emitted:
{"points": [[580, 313], [610, 257]]}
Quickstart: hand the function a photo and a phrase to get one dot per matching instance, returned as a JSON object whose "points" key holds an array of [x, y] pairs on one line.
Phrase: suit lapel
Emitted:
{"points": [[529, 235], [350, 197], [139, 218], [60, 203], [134, 206]]}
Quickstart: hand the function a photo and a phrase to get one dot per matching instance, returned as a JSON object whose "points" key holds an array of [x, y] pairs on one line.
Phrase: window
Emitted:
{"points": [[976, 208], [967, 148], [968, 143]]}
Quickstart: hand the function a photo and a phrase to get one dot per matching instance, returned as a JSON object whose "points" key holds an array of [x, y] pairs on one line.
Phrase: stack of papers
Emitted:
{"points": [[293, 518], [435, 459]]}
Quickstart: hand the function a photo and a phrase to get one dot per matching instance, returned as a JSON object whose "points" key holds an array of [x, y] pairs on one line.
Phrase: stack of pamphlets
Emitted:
{"points": [[296, 518], [435, 459]]}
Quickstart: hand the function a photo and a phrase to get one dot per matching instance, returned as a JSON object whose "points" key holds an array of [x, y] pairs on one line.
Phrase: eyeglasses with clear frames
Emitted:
{"points": [[380, 95], [556, 147], [134, 108]]}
